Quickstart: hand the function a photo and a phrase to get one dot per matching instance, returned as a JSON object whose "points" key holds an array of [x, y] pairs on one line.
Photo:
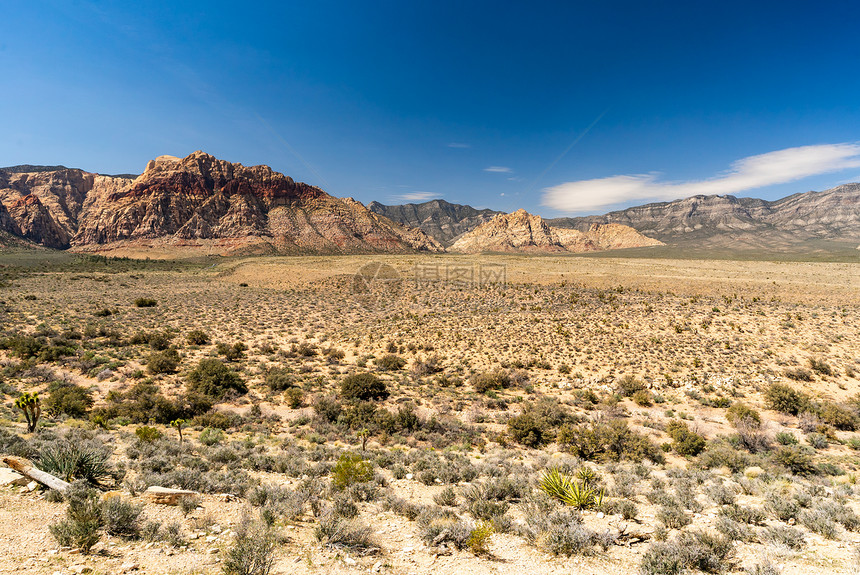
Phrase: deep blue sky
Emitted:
{"points": [[380, 100]]}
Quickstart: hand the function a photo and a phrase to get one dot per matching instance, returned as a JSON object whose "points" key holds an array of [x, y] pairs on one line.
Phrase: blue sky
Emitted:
{"points": [[557, 107]]}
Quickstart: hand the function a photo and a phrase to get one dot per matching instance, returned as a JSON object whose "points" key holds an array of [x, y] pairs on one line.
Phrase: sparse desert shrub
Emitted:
{"points": [[351, 469], [739, 412], [743, 514], [781, 507], [673, 517], [69, 399], [798, 374], [786, 438], [211, 436], [82, 525], [401, 506], [390, 362], [479, 538], [624, 507], [279, 379], [121, 518], [214, 379], [498, 379], [783, 535], [820, 366], [839, 416], [215, 420], [189, 504], [328, 408], [608, 440], [446, 497], [147, 434], [338, 533], [782, 398], [704, 551], [643, 398], [629, 385], [197, 337], [795, 459], [231, 352], [751, 437], [817, 440], [363, 386], [685, 441], [733, 530], [537, 424], [145, 302], [441, 527], [295, 397], [818, 521], [253, 550], [162, 361], [662, 558]]}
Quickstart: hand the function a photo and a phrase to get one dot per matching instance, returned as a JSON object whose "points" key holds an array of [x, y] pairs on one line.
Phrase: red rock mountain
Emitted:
{"points": [[196, 201], [523, 232]]}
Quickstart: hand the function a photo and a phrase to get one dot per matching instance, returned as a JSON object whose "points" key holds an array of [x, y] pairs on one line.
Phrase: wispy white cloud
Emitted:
{"points": [[459, 145], [749, 173], [499, 169], [416, 196]]}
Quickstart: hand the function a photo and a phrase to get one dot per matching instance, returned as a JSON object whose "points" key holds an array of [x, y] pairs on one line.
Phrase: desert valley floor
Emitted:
{"points": [[405, 414]]}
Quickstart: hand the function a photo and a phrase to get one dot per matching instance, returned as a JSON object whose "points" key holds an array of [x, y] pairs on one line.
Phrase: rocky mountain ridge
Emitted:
{"points": [[192, 202], [524, 232], [728, 221], [443, 220]]}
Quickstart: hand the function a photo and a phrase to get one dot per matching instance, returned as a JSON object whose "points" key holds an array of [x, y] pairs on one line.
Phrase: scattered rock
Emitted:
{"points": [[166, 495], [10, 478]]}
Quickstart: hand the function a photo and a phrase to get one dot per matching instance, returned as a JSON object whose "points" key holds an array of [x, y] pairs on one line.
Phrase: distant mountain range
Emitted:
{"points": [[202, 202], [444, 221]]}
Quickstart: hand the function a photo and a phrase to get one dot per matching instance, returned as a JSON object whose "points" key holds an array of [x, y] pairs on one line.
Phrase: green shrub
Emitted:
{"points": [[839, 416], [351, 469], [684, 441], [390, 362], [69, 399], [279, 379], [784, 399], [786, 438], [798, 374], [821, 366], [739, 413], [295, 397], [795, 459], [643, 398], [214, 379], [611, 440], [479, 538], [145, 302], [197, 337], [628, 385], [363, 386], [215, 419], [147, 434], [211, 436], [231, 352], [163, 361], [328, 409], [498, 379]]}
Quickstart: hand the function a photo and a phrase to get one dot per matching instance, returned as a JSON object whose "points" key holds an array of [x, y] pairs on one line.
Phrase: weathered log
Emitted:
{"points": [[24, 467]]}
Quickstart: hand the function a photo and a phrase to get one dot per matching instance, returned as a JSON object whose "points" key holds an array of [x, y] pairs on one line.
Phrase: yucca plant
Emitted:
{"points": [[580, 494], [30, 405], [70, 462]]}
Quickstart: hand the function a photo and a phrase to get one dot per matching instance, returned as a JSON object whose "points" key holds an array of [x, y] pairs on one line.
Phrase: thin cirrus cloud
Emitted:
{"points": [[416, 196], [779, 167], [499, 170]]}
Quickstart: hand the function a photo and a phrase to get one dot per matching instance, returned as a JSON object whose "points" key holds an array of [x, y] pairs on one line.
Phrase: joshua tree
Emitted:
{"points": [[178, 423], [364, 435], [29, 404]]}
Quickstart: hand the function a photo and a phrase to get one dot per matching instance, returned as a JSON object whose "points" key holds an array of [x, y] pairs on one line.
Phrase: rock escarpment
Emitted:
{"points": [[524, 232]]}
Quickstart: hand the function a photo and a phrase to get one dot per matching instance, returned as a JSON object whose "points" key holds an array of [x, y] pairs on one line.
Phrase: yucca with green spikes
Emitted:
{"points": [[30, 405], [580, 494]]}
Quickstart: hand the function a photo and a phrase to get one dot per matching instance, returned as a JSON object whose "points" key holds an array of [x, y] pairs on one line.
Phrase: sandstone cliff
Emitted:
{"points": [[524, 232], [192, 202]]}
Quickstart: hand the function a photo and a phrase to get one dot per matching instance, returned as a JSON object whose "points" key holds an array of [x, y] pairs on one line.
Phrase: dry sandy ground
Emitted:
{"points": [[771, 315]]}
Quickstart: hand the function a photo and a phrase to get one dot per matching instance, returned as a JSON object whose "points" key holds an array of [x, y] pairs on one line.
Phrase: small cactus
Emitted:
{"points": [[30, 405]]}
